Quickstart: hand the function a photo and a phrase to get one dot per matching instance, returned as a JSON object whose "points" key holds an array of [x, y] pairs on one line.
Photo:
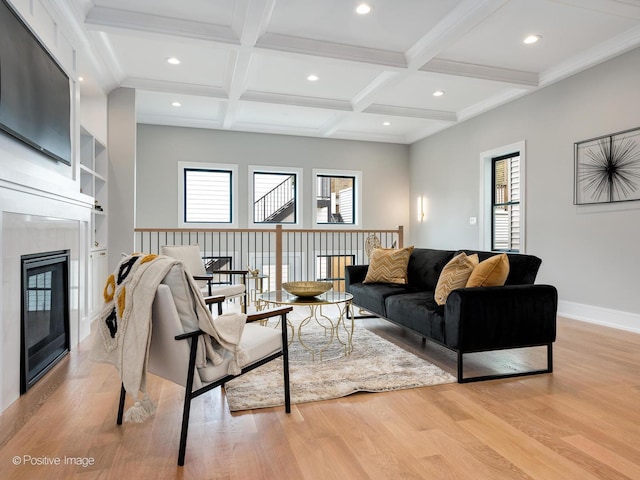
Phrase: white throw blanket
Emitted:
{"points": [[124, 326]]}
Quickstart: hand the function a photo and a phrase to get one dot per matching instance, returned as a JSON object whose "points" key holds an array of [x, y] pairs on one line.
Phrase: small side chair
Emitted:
{"points": [[191, 257]]}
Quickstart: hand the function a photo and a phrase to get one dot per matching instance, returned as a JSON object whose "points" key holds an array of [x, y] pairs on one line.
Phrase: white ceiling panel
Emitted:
{"points": [[566, 31], [191, 106], [245, 62], [416, 91], [288, 74], [392, 25], [146, 58], [281, 116], [397, 130], [219, 12]]}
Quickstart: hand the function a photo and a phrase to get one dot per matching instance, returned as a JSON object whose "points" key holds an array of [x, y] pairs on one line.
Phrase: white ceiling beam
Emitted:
{"points": [[425, 132], [412, 112], [317, 48], [613, 47], [624, 9], [177, 121], [254, 22], [460, 69], [174, 87], [459, 22], [108, 70], [333, 124], [490, 103], [296, 100], [275, 129], [109, 58], [101, 18], [366, 96], [370, 137]]}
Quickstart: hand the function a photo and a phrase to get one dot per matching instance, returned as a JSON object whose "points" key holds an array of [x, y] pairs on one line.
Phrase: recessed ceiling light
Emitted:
{"points": [[176, 104], [386, 124], [173, 61], [363, 9], [313, 78], [532, 39], [438, 93], [81, 79]]}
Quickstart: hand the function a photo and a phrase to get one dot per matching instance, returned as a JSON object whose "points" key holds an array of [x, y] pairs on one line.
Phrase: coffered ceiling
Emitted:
{"points": [[244, 64]]}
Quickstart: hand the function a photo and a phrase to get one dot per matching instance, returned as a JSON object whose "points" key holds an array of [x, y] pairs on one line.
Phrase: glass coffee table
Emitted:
{"points": [[340, 328]]}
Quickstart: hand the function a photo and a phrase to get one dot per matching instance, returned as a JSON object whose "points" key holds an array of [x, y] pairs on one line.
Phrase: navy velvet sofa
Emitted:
{"points": [[518, 314]]}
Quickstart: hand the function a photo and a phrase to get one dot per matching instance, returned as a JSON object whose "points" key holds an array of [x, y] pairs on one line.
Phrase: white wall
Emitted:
{"points": [[385, 170], [589, 252], [41, 207]]}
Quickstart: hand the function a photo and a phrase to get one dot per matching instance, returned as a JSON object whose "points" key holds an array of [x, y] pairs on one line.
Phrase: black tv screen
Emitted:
{"points": [[35, 98]]}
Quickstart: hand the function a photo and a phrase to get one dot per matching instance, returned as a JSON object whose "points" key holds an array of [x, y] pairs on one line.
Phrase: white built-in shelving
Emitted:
{"points": [[93, 182]]}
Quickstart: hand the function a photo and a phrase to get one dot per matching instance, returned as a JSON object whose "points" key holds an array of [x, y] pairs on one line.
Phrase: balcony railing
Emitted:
{"points": [[282, 254]]}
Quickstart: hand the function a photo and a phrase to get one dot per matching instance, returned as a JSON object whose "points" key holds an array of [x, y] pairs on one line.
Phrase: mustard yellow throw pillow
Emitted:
{"points": [[388, 265], [454, 275], [492, 272]]}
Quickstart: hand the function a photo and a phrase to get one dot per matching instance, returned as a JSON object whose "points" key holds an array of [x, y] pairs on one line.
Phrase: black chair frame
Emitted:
{"points": [[190, 394]]}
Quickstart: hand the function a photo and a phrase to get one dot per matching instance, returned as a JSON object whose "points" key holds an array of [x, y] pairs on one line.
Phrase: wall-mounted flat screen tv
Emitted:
{"points": [[35, 97]]}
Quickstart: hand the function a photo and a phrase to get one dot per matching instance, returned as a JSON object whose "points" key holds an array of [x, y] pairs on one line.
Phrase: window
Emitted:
{"points": [[331, 268], [505, 203], [207, 193], [274, 197], [336, 197], [502, 199]]}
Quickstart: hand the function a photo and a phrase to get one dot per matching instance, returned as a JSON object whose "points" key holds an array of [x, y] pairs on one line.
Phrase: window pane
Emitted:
{"points": [[207, 196], [335, 199], [332, 267], [506, 203], [274, 198]]}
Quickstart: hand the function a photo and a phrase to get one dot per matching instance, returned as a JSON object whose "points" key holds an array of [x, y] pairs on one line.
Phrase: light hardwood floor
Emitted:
{"points": [[581, 422]]}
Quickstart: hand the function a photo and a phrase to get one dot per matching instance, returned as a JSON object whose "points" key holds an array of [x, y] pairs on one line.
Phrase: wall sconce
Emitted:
{"points": [[422, 208]]}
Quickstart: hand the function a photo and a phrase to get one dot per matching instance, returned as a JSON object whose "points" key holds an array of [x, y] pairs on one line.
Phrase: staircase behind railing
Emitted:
{"points": [[282, 254], [277, 204]]}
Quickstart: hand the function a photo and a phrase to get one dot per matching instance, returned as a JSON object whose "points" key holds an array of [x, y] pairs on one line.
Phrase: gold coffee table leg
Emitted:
{"points": [[346, 328], [315, 314]]}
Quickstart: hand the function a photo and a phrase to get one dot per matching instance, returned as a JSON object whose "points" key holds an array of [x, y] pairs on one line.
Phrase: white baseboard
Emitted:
{"points": [[600, 316]]}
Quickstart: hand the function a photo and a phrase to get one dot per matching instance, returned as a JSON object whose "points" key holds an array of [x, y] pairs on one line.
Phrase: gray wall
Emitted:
{"points": [[122, 172], [590, 253], [385, 170]]}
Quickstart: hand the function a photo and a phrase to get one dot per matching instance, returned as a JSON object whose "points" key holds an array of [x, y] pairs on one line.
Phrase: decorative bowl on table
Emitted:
{"points": [[306, 289]]}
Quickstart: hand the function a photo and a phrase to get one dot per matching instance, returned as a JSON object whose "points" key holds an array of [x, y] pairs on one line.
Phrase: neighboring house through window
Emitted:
{"points": [[502, 219], [337, 197], [505, 203], [206, 194]]}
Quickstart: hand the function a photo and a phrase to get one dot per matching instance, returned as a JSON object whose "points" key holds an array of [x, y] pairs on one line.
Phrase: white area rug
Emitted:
{"points": [[375, 365]]}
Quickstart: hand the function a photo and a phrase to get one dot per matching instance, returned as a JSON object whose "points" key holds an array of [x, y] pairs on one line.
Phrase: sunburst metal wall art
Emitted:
{"points": [[607, 168]]}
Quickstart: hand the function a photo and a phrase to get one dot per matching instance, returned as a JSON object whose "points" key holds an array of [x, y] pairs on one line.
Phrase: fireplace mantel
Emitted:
{"points": [[31, 221]]}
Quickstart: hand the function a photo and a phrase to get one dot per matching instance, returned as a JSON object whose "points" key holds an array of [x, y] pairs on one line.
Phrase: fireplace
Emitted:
{"points": [[45, 314]]}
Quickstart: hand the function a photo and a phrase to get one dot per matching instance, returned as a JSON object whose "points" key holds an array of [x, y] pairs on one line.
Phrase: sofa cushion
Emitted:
{"points": [[371, 296], [523, 269], [454, 275], [491, 272], [419, 312], [388, 265], [425, 266]]}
